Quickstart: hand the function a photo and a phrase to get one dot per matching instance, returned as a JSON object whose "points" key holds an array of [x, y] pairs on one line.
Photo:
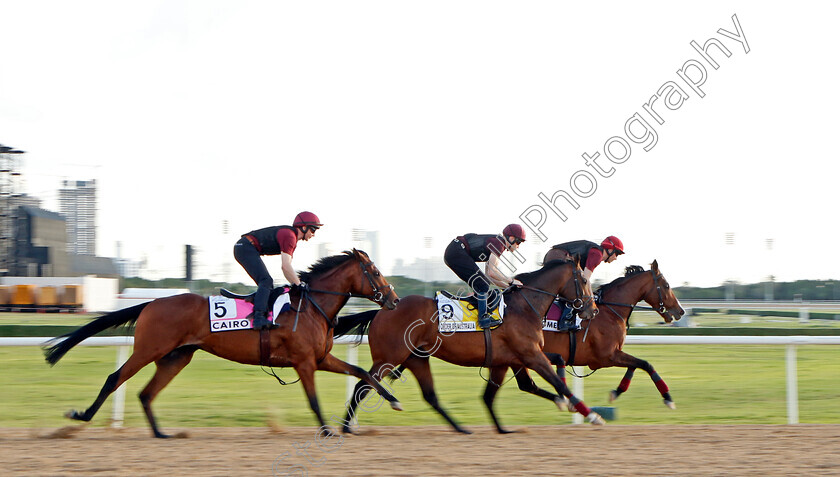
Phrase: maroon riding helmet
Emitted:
{"points": [[516, 231]]}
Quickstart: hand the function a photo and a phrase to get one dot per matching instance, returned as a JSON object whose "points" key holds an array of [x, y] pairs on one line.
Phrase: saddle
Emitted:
{"points": [[249, 298]]}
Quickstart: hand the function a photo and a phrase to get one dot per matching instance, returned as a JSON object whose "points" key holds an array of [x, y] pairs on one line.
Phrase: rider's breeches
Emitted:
{"points": [[457, 259], [248, 256]]}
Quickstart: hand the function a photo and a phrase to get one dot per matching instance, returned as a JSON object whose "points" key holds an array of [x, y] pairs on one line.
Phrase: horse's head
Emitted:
{"points": [[661, 296], [578, 291], [374, 284]]}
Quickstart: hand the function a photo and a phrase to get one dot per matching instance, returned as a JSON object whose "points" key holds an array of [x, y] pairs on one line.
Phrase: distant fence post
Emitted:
{"points": [[118, 413], [792, 388], [804, 314], [577, 418]]}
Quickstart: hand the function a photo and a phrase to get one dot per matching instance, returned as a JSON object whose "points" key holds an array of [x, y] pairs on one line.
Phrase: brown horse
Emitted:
{"points": [[408, 336], [599, 344], [169, 330]]}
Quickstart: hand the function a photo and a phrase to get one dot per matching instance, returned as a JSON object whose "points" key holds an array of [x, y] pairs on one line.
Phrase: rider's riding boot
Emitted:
{"points": [[485, 320], [568, 320], [261, 321]]}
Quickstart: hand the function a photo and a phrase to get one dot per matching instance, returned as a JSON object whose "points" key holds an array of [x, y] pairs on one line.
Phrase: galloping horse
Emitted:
{"points": [[599, 344], [408, 336], [169, 330]]}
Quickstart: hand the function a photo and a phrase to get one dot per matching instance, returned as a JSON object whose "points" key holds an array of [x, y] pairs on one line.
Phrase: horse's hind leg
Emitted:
{"points": [[419, 366], [377, 372], [630, 362], [167, 368], [134, 364]]}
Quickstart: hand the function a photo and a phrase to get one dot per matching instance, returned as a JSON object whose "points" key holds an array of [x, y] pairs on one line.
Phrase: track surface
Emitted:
{"points": [[400, 451]]}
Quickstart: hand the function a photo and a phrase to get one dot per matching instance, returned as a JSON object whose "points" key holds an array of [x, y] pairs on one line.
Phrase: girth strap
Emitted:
{"points": [[488, 348], [572, 347], [265, 347]]}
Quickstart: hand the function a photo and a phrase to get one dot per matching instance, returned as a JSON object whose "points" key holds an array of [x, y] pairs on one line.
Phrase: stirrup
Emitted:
{"points": [[487, 321], [261, 321]]}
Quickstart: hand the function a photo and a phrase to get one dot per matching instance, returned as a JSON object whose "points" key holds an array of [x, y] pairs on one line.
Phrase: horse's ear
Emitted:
{"points": [[654, 265]]}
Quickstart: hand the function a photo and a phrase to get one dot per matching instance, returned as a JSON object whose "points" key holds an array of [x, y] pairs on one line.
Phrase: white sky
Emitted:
{"points": [[431, 118]]}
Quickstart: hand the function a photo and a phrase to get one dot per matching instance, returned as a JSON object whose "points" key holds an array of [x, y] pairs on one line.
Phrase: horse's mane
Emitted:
{"points": [[528, 276], [324, 265], [629, 271]]}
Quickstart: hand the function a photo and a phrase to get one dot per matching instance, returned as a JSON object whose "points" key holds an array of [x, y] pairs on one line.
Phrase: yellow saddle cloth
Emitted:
{"points": [[459, 314]]}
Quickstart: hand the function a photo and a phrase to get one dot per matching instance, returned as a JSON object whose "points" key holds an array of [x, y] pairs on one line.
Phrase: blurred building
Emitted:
{"points": [[40, 244], [78, 205], [9, 203], [425, 269], [367, 241]]}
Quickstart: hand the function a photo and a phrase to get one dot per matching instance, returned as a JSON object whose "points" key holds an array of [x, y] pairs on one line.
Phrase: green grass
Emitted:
{"points": [[710, 384]]}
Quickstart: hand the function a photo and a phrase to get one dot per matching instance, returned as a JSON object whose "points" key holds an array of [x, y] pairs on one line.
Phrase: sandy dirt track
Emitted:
{"points": [[612, 450]]}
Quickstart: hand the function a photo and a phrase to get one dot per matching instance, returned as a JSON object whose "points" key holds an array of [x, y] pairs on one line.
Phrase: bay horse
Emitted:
{"points": [[408, 336], [599, 344], [169, 331]]}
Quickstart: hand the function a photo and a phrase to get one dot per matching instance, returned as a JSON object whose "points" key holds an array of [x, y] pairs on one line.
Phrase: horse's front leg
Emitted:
{"points": [[497, 376], [332, 364], [525, 383], [622, 359], [539, 363], [306, 372]]}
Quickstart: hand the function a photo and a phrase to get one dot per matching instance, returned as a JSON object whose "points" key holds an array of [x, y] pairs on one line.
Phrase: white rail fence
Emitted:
{"points": [[123, 343]]}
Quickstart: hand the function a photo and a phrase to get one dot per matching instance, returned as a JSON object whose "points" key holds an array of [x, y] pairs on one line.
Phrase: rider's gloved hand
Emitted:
{"points": [[302, 286]]}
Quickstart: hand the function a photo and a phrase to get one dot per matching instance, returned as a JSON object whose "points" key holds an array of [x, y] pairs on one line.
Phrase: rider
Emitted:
{"points": [[589, 255], [462, 254], [282, 240]]}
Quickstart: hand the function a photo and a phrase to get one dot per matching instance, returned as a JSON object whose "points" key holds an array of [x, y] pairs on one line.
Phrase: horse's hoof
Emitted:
{"points": [[595, 419], [670, 404], [347, 430], [160, 435], [613, 395], [562, 404], [327, 431], [395, 405], [463, 431], [505, 431], [73, 414]]}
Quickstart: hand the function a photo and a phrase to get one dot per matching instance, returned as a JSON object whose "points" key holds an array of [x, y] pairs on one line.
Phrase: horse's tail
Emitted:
{"points": [[357, 324], [396, 373], [63, 344]]}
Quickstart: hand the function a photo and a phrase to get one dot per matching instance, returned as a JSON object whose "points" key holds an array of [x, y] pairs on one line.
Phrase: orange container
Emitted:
{"points": [[71, 295], [47, 296], [23, 295]]}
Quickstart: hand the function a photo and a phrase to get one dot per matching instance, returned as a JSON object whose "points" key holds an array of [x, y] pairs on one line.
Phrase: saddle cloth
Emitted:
{"points": [[553, 316], [460, 314], [228, 314]]}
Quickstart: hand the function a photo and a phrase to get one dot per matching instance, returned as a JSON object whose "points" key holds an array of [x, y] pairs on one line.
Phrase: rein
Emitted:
{"points": [[660, 309], [578, 303], [377, 296]]}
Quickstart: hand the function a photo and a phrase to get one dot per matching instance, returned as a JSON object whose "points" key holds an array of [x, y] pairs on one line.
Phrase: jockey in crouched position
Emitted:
{"points": [[465, 250], [589, 255], [278, 240]]}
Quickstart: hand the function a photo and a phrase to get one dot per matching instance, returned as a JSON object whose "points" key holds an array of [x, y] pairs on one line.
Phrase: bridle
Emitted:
{"points": [[377, 296], [661, 307], [578, 303], [656, 277]]}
